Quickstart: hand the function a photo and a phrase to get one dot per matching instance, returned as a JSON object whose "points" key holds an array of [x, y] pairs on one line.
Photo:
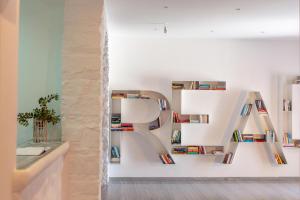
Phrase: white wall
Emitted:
{"points": [[152, 63], [8, 92]]}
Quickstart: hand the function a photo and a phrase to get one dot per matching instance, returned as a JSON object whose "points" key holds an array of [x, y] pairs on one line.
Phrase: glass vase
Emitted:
{"points": [[40, 131]]}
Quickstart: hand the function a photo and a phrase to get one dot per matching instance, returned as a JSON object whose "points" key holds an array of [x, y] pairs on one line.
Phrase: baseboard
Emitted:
{"points": [[160, 179]]}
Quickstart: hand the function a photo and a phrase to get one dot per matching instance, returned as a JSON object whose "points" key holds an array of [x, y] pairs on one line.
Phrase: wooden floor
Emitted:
{"points": [[202, 190]]}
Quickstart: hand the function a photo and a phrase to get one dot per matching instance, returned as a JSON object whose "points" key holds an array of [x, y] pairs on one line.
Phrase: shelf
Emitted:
{"points": [[263, 121], [288, 115], [166, 159], [178, 119], [198, 150], [117, 126], [289, 145], [199, 85], [255, 142], [190, 119]]}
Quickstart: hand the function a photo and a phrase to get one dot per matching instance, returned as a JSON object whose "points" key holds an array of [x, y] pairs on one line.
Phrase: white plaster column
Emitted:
{"points": [[81, 98]]}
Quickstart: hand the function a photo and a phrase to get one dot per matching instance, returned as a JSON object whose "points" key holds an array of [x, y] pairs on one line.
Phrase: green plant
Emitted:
{"points": [[42, 112]]}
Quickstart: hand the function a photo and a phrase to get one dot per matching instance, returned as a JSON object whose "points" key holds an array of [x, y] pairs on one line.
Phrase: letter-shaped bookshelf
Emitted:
{"points": [[118, 126], [252, 102], [289, 110], [178, 118]]}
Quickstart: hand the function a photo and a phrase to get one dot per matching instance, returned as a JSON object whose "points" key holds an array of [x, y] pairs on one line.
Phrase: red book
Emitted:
{"points": [[126, 124], [127, 129]]}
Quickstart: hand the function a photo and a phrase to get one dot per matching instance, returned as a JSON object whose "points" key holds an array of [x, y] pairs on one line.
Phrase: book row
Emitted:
{"points": [[198, 85], [288, 141], [205, 150], [176, 137], [116, 124], [115, 154], [162, 104], [121, 95], [279, 160], [269, 136], [166, 158], [154, 124], [228, 158], [246, 110], [203, 119], [287, 105], [260, 106]]}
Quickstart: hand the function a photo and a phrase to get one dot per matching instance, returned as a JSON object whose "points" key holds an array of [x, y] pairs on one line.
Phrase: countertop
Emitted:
{"points": [[28, 167]]}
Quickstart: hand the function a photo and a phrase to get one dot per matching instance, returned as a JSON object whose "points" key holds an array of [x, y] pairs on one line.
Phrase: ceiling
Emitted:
{"points": [[204, 18]]}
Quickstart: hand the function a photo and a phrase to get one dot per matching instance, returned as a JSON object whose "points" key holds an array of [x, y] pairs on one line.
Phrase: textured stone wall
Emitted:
{"points": [[81, 102]]}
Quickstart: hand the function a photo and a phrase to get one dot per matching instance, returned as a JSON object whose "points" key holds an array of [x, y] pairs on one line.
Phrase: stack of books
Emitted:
{"points": [[179, 150], [195, 85], [297, 143], [199, 85], [180, 118], [166, 158], [202, 150], [127, 127], [116, 124], [228, 158], [118, 95], [204, 86], [177, 118], [260, 106], [211, 86], [162, 104], [287, 105], [217, 86], [237, 136], [176, 137], [154, 124], [122, 127], [115, 154], [193, 150], [270, 136], [279, 159], [254, 137], [288, 140], [259, 138], [177, 86], [246, 110]]}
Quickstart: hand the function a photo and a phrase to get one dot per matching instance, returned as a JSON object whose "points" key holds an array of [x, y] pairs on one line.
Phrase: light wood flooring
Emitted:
{"points": [[202, 190]]}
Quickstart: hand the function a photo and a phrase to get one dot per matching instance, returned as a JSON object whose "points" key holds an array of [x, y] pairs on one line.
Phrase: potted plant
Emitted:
{"points": [[41, 116]]}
